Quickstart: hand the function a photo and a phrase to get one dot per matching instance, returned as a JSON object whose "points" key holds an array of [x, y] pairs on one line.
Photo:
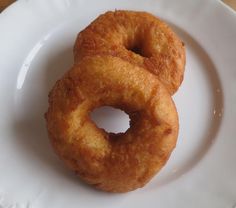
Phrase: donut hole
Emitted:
{"points": [[112, 120], [137, 49]]}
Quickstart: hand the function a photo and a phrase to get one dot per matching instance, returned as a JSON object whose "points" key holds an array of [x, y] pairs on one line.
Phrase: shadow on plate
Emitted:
{"points": [[31, 131], [30, 128], [217, 104]]}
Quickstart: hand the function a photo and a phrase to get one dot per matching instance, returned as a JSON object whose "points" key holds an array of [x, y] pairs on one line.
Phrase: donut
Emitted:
{"points": [[139, 38], [112, 162]]}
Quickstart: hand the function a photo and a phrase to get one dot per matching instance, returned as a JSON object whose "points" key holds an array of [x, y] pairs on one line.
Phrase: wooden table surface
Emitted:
{"points": [[5, 3], [231, 3]]}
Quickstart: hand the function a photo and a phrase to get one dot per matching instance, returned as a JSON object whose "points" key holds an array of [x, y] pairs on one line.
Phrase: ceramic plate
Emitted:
{"points": [[36, 40]]}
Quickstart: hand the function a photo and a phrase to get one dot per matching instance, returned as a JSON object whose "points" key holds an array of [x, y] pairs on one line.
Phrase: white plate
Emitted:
{"points": [[36, 39]]}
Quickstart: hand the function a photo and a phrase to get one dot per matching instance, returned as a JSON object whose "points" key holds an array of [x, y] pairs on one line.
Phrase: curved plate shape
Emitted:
{"points": [[37, 38]]}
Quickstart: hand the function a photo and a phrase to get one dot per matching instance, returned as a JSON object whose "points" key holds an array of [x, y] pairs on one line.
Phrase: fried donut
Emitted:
{"points": [[138, 37], [112, 162]]}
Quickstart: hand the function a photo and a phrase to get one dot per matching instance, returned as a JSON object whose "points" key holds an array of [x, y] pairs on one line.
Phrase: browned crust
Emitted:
{"points": [[113, 33], [114, 163]]}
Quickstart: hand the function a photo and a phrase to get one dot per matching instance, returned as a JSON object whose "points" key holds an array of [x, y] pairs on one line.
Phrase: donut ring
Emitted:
{"points": [[112, 162], [158, 48]]}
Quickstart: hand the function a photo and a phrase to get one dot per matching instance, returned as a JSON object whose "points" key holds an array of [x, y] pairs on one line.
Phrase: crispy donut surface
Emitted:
{"points": [[139, 38], [112, 162]]}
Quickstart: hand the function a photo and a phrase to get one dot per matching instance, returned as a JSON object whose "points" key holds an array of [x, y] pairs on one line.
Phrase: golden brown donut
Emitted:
{"points": [[112, 162], [139, 38]]}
